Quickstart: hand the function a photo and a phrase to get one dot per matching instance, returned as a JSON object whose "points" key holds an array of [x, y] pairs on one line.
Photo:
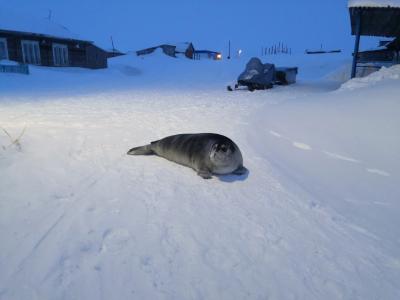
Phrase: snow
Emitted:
{"points": [[374, 3], [16, 21], [385, 74], [6, 62], [316, 217]]}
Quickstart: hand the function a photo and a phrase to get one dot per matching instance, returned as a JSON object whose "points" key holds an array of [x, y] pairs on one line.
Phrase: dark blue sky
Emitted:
{"points": [[249, 24]]}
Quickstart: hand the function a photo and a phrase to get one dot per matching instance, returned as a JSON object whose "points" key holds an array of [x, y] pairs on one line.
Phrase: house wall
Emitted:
{"points": [[205, 55], [96, 58], [169, 50], [14, 47], [77, 56], [377, 56], [189, 51], [80, 53]]}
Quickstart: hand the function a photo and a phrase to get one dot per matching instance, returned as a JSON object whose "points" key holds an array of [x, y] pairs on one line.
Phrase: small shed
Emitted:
{"points": [[388, 52], [43, 42], [374, 18]]}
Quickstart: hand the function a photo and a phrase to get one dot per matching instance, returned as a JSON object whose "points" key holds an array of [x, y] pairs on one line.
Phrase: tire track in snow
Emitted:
{"points": [[39, 242], [80, 193]]}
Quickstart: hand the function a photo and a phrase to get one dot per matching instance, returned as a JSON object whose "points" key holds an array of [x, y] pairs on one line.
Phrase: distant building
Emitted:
{"points": [[186, 49], [375, 19], [207, 54], [114, 53], [321, 51], [388, 52], [42, 42]]}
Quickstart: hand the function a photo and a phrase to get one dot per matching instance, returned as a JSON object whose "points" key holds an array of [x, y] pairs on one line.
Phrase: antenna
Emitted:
{"points": [[112, 43]]}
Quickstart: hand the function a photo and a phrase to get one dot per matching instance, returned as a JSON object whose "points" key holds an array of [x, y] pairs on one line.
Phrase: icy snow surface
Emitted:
{"points": [[374, 3], [316, 217]]}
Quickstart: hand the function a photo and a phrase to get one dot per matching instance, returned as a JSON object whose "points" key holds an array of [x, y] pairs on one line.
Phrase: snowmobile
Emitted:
{"points": [[259, 76], [256, 76]]}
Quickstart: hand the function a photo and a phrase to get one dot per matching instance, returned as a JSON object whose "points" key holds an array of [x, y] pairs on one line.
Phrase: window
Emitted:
{"points": [[60, 55], [31, 52], [3, 49]]}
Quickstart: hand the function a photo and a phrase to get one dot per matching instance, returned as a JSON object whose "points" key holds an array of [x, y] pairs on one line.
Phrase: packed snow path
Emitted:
{"points": [[79, 219]]}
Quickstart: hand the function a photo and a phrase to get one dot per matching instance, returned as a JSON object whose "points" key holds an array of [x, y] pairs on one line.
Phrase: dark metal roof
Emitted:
{"points": [[39, 35], [376, 21]]}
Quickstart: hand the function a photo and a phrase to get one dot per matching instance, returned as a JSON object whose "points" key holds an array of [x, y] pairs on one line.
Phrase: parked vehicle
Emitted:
{"points": [[259, 76]]}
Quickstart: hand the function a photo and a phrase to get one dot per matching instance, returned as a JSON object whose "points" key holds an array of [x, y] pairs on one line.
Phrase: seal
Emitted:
{"points": [[206, 153]]}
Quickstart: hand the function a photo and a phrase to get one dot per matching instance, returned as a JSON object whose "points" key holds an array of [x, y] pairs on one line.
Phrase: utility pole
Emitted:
{"points": [[229, 50]]}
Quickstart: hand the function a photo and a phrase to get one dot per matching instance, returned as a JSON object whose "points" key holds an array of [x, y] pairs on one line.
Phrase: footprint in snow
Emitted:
{"points": [[378, 172], [274, 133], [341, 157], [298, 145], [302, 146], [115, 240]]}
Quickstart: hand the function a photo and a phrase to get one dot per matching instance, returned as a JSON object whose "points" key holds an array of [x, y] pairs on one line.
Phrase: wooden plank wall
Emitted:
{"points": [[80, 53]]}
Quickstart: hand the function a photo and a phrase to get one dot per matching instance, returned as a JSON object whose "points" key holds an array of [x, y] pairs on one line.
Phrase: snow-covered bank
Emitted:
{"points": [[158, 72], [343, 147], [315, 219]]}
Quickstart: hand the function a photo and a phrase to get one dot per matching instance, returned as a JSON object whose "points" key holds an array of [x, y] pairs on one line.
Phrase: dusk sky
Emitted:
{"points": [[208, 24]]}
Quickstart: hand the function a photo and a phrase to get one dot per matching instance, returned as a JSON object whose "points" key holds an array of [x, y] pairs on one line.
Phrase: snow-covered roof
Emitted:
{"points": [[12, 21], [374, 3], [181, 47]]}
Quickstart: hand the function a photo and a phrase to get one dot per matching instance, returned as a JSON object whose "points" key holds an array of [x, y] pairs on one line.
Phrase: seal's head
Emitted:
{"points": [[225, 157]]}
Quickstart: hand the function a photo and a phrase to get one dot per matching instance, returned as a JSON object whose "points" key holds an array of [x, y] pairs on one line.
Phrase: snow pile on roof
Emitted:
{"points": [[6, 62], [392, 73], [181, 47], [374, 3], [12, 21]]}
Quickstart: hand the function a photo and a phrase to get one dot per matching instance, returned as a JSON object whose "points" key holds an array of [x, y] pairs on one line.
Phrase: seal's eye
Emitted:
{"points": [[221, 147]]}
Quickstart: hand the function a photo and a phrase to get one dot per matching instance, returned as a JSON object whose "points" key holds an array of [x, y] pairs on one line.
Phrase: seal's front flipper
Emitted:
{"points": [[143, 150], [204, 174], [240, 171]]}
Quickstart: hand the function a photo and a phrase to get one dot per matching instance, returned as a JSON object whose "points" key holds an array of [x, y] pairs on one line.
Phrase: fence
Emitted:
{"points": [[22, 69]]}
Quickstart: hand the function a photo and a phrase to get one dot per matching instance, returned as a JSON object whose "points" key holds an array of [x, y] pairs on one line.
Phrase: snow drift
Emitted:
{"points": [[317, 217]]}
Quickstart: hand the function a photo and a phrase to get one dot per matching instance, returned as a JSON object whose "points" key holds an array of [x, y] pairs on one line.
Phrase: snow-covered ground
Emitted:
{"points": [[316, 217]]}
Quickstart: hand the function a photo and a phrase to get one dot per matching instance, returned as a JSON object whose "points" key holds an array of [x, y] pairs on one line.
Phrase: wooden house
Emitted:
{"points": [[375, 19], [42, 42]]}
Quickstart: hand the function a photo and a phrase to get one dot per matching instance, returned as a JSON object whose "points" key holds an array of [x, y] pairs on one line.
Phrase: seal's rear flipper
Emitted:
{"points": [[142, 150], [204, 174], [240, 171]]}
